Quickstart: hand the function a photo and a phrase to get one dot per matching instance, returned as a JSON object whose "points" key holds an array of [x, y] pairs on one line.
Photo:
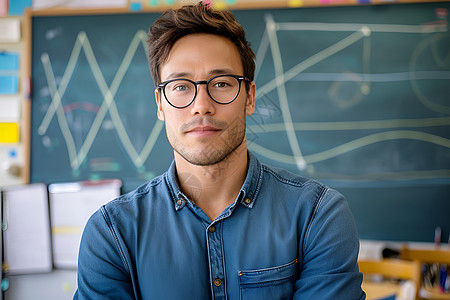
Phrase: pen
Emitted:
{"points": [[442, 278]]}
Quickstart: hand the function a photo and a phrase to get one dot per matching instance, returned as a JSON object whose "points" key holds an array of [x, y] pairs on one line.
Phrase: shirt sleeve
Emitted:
{"points": [[329, 268], [102, 268]]}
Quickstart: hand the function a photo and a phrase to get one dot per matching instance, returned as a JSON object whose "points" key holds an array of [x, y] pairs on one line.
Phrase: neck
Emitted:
{"points": [[213, 187]]}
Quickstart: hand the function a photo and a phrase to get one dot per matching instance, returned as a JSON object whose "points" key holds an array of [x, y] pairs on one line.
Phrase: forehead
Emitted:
{"points": [[199, 55]]}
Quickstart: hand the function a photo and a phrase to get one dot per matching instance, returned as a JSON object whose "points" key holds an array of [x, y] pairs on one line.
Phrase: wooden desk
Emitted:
{"points": [[379, 290]]}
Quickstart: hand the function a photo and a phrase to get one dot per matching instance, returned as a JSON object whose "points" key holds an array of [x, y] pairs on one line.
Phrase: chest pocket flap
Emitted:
{"points": [[266, 283]]}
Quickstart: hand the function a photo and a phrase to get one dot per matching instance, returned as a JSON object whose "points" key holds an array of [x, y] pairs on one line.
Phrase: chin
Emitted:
{"points": [[209, 156], [205, 158]]}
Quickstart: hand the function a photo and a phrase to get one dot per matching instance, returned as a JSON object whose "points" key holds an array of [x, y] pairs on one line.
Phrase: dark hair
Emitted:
{"points": [[189, 19]]}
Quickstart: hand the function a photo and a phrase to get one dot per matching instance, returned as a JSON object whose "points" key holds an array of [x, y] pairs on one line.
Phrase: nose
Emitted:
{"points": [[203, 104]]}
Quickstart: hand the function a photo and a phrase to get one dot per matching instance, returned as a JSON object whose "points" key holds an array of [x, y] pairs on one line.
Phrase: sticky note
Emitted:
{"points": [[220, 5], [295, 3], [9, 65], [9, 108], [17, 7], [9, 133], [3, 8], [8, 84], [135, 6], [9, 61], [10, 30]]}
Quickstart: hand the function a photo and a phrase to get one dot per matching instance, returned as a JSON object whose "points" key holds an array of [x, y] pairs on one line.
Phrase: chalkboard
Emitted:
{"points": [[357, 97]]}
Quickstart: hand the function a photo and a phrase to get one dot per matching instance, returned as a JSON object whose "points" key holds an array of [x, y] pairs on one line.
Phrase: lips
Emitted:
{"points": [[203, 131], [203, 128]]}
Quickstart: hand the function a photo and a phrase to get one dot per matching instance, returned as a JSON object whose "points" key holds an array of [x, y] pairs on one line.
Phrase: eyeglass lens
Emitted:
{"points": [[222, 89]]}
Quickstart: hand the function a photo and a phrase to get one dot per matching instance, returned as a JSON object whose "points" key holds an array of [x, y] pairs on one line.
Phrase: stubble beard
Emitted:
{"points": [[215, 151]]}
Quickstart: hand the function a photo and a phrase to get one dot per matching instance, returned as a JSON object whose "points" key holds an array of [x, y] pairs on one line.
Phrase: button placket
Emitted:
{"points": [[217, 269]]}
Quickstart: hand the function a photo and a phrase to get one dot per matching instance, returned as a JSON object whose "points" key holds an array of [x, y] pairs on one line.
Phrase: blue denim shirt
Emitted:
{"points": [[285, 237]]}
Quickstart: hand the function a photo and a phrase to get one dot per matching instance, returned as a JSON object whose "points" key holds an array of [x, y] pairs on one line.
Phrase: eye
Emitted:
{"points": [[221, 84], [180, 88]]}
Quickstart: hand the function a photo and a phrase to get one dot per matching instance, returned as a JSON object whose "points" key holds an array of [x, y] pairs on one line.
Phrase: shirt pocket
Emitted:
{"points": [[270, 283]]}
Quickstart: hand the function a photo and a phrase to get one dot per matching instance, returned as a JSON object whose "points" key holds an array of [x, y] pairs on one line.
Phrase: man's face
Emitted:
{"points": [[205, 132]]}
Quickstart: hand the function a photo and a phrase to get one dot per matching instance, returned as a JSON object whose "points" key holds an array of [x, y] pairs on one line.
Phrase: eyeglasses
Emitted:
{"points": [[223, 89]]}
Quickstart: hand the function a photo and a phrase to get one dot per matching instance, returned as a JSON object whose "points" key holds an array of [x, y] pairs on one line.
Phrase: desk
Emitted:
{"points": [[379, 290]]}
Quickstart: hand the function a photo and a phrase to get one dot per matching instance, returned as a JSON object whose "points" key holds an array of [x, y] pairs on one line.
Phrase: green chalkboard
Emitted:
{"points": [[357, 97]]}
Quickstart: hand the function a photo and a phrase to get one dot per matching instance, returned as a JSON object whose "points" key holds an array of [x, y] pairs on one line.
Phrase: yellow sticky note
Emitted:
{"points": [[220, 5], [9, 133], [295, 3]]}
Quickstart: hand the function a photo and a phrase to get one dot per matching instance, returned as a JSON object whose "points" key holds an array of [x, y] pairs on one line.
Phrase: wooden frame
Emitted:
{"points": [[26, 90], [222, 4]]}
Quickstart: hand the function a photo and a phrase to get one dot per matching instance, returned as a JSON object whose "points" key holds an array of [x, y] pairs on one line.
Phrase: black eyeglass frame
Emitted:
{"points": [[239, 78]]}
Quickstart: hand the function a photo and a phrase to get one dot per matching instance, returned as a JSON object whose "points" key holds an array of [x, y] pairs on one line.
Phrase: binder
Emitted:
{"points": [[71, 205], [26, 229]]}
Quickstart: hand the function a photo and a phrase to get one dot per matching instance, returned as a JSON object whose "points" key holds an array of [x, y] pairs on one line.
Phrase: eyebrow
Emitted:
{"points": [[211, 73], [177, 75], [221, 72]]}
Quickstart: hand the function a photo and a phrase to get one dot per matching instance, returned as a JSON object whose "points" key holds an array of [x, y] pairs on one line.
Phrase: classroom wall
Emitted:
{"points": [[63, 282], [11, 99]]}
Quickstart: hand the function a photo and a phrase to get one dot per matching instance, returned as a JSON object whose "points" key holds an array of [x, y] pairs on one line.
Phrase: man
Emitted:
{"points": [[219, 224]]}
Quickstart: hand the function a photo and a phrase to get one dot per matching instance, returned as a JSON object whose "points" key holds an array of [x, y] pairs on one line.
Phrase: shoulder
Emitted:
{"points": [[311, 197], [137, 194], [129, 204], [286, 180]]}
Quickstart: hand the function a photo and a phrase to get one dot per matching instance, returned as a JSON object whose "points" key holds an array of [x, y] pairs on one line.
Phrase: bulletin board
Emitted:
{"points": [[354, 96]]}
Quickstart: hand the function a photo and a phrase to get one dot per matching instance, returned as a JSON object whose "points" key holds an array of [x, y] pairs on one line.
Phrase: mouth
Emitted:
{"points": [[203, 131]]}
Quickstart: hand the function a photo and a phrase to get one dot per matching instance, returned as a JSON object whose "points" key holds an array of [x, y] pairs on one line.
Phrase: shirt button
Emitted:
{"points": [[212, 228], [179, 202], [217, 282], [247, 201]]}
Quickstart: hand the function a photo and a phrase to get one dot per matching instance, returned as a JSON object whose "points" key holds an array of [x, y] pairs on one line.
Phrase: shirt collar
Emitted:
{"points": [[248, 192], [252, 183]]}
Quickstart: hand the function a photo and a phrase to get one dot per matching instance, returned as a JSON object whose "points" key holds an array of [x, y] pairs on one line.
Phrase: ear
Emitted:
{"points": [[250, 104], [159, 112]]}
